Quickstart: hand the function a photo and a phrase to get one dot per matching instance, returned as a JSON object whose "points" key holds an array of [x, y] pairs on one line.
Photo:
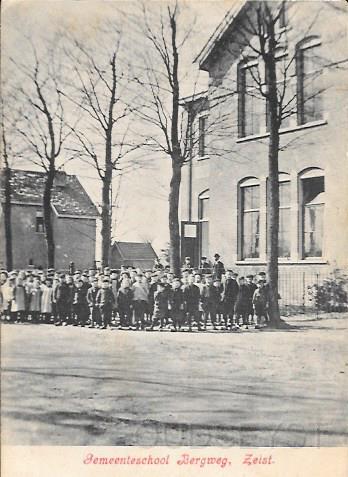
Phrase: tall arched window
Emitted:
{"points": [[312, 194], [309, 72], [250, 218], [203, 217]]}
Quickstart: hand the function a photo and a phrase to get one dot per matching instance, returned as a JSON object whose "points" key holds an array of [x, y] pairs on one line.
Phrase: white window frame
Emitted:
{"points": [[247, 182], [307, 174]]}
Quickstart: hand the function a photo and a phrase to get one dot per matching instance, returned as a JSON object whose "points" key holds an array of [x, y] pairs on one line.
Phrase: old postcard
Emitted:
{"points": [[173, 238]]}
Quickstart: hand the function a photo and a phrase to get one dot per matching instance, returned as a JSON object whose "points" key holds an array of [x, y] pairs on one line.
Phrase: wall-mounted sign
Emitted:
{"points": [[190, 230]]}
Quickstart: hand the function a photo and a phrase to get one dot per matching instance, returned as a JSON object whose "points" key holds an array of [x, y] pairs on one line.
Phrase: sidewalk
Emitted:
{"points": [[73, 386]]}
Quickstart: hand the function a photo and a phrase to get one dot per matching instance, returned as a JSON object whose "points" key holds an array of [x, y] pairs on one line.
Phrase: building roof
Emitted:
{"points": [[203, 57], [69, 198], [135, 250]]}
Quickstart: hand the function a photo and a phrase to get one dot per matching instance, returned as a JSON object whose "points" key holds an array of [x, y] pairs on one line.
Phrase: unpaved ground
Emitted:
{"points": [[73, 386]]}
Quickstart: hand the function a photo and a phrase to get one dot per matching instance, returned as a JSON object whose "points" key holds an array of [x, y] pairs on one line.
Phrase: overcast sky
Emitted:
{"points": [[142, 212]]}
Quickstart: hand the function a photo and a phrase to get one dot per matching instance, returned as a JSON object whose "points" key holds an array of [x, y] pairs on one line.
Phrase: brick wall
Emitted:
{"points": [[74, 240]]}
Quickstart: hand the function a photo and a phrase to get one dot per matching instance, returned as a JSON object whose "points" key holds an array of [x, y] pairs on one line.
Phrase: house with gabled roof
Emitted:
{"points": [[134, 254], [74, 221]]}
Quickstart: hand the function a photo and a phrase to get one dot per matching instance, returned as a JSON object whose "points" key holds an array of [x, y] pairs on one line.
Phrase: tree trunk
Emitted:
{"points": [[106, 206], [273, 184], [47, 212], [7, 218], [174, 235]]}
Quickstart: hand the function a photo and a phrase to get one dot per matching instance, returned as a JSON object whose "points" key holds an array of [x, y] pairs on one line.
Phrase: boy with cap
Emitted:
{"points": [[19, 300], [176, 303], [140, 300], [211, 300], [46, 300], [34, 300], [191, 295], [241, 306], [61, 296], [92, 304], [251, 286], [114, 285], [124, 301], [152, 291], [105, 302], [229, 296], [80, 304], [160, 306], [260, 302]]}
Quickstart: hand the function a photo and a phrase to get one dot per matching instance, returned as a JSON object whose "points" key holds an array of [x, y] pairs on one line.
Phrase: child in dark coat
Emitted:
{"points": [[211, 300], [92, 293], [160, 306], [176, 304], [251, 290], [124, 302], [105, 301], [260, 302], [241, 306], [229, 296], [80, 304], [192, 298]]}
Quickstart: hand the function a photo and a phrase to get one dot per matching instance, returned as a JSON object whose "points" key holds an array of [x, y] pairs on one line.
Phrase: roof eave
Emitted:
{"points": [[203, 57]]}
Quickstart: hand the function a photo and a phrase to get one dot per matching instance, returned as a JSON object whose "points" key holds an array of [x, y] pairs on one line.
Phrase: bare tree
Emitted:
{"points": [[6, 129], [102, 138], [159, 105], [43, 126]]}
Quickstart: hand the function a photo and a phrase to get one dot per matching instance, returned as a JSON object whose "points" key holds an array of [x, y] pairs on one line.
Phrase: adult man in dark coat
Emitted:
{"points": [[218, 267]]}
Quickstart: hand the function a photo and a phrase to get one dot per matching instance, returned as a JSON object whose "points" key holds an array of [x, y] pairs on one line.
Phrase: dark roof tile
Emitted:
{"points": [[68, 195], [135, 250]]}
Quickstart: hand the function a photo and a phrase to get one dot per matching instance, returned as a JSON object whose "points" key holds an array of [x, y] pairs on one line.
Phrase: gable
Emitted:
{"points": [[69, 198]]}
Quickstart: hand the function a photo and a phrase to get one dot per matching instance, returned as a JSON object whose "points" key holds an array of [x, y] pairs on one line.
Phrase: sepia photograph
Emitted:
{"points": [[173, 227]]}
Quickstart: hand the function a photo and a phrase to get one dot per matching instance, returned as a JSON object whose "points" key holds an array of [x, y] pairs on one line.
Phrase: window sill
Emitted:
{"points": [[301, 127], [284, 261]]}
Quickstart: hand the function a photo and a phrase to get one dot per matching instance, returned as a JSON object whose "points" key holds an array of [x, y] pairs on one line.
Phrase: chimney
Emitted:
{"points": [[60, 179]]}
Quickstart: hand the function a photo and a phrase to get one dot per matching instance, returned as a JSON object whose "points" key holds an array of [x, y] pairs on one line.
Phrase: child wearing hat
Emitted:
{"points": [[176, 304], [140, 300], [210, 300], [160, 306], [105, 301], [92, 293], [192, 298], [79, 304], [46, 300], [241, 306], [251, 286], [61, 297], [19, 300], [260, 302], [124, 301], [35, 298], [229, 297]]}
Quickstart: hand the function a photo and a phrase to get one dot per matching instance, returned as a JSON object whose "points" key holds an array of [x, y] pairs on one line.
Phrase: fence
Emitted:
{"points": [[294, 289]]}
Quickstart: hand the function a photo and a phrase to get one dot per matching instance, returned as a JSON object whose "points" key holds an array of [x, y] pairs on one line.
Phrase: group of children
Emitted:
{"points": [[131, 299]]}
